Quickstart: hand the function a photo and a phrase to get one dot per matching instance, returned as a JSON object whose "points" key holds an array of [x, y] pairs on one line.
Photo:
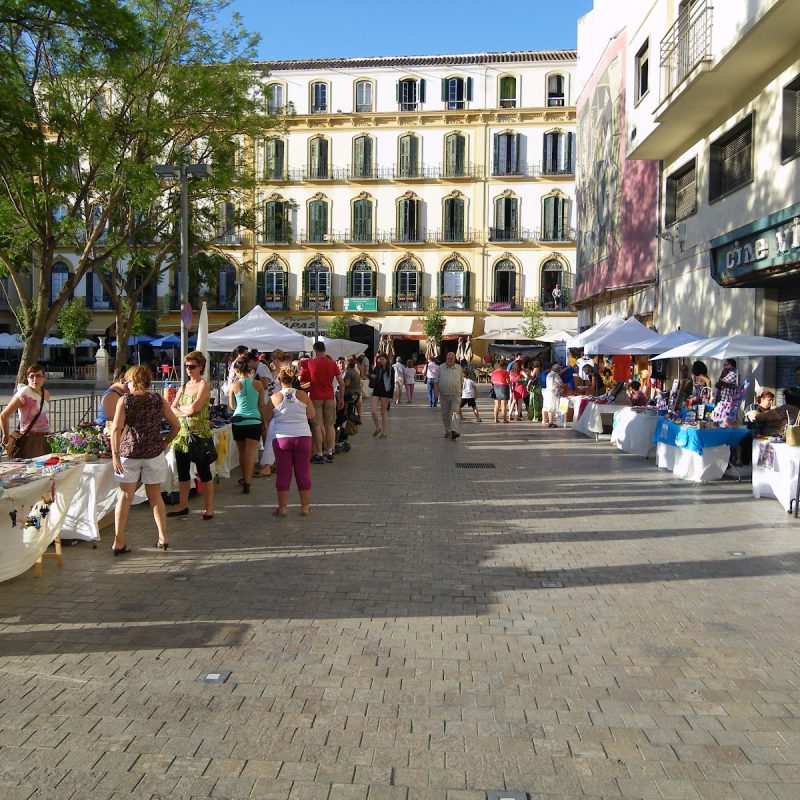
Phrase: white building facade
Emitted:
{"points": [[713, 97]]}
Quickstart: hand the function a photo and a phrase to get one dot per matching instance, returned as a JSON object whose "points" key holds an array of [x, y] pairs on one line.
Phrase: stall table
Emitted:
{"points": [[776, 468], [24, 546], [695, 454], [633, 431], [590, 422]]}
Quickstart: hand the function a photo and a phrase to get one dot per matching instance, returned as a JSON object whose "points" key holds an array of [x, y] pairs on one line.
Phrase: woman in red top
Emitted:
{"points": [[501, 389], [519, 391]]}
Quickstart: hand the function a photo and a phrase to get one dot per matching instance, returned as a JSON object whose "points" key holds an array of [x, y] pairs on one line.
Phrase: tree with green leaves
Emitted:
{"points": [[533, 324], [433, 324], [337, 328], [73, 324], [84, 124]]}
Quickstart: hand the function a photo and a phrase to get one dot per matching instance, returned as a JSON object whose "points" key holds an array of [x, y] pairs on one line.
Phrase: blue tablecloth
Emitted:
{"points": [[696, 439]]}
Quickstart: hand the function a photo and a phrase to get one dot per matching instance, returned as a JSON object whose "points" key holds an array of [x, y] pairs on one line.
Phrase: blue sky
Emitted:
{"points": [[339, 28]]}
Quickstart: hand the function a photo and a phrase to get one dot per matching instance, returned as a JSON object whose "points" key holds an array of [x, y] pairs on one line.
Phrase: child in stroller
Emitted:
{"points": [[346, 423]]}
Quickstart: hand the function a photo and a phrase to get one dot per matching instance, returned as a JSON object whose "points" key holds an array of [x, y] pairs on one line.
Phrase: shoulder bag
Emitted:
{"points": [[201, 449], [18, 439]]}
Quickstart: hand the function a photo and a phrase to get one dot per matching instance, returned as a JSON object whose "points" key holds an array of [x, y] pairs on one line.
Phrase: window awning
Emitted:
{"points": [[409, 327]]}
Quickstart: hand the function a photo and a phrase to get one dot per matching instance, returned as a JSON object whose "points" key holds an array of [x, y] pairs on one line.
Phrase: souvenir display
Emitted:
{"points": [[87, 441]]}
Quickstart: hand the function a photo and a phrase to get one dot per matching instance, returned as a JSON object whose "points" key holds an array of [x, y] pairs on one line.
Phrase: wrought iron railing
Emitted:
{"points": [[522, 170], [453, 302], [510, 235], [388, 173], [273, 237], [557, 234], [551, 170], [311, 302], [67, 412], [406, 302], [686, 44], [467, 236]]}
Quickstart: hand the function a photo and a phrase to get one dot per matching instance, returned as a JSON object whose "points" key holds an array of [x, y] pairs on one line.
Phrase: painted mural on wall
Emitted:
{"points": [[617, 199]]}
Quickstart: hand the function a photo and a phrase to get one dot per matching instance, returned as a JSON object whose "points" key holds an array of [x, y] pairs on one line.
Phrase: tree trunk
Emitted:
{"points": [[124, 324], [32, 350]]}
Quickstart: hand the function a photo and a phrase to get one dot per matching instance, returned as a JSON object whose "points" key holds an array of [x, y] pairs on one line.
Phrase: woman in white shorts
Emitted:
{"points": [[137, 452]]}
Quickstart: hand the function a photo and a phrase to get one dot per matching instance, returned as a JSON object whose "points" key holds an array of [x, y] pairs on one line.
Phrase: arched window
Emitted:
{"points": [[409, 156], [318, 151], [317, 221], [558, 153], [407, 286], [316, 286], [555, 90], [456, 92], [409, 220], [361, 279], [363, 157], [274, 160], [275, 103], [362, 220], [554, 274], [59, 275], [273, 284], [410, 93], [276, 222], [507, 153], [455, 155], [506, 220], [454, 286], [453, 219], [508, 91], [363, 96], [555, 219], [319, 97], [505, 285]]}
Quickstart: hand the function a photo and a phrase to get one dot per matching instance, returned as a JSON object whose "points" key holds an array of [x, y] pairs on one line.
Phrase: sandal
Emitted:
{"points": [[278, 513], [305, 512]]}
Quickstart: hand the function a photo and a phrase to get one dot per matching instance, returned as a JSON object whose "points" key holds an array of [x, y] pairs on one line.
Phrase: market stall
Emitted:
{"points": [[633, 430], [34, 498], [776, 468], [590, 422], [695, 454]]}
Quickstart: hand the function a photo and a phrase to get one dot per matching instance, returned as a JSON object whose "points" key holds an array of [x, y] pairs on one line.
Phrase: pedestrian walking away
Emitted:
{"points": [[410, 375], [289, 411], [381, 381], [431, 370], [448, 381], [246, 399], [319, 374]]}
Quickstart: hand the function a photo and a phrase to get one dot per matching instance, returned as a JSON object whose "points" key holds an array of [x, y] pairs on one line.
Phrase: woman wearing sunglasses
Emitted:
{"points": [[191, 408]]}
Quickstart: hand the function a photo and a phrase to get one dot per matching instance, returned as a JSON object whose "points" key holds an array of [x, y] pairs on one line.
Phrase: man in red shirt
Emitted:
{"points": [[319, 373]]}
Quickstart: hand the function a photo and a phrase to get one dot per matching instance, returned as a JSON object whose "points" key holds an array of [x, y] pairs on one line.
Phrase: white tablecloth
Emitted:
{"points": [[22, 546], [775, 471], [692, 466], [590, 422], [633, 432]]}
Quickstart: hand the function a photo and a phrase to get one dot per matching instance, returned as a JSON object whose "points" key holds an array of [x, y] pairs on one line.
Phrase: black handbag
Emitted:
{"points": [[202, 450]]}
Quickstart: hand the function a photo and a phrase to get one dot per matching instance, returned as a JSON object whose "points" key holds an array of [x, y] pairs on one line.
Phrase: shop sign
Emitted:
{"points": [[304, 325], [764, 249], [499, 307], [360, 303]]}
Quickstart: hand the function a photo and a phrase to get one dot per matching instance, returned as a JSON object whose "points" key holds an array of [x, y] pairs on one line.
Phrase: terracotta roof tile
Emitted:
{"points": [[365, 62]]}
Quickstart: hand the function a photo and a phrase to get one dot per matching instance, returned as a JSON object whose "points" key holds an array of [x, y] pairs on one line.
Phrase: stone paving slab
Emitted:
{"points": [[570, 623]]}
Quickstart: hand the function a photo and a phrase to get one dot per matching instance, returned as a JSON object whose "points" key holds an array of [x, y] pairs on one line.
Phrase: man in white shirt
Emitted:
{"points": [[399, 379]]}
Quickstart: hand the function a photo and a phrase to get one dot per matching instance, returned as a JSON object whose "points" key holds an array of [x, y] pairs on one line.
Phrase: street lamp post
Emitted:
{"points": [[182, 173]]}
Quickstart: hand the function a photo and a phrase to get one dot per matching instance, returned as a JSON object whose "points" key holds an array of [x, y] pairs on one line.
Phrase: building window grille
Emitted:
{"points": [[681, 200], [505, 283], [731, 164]]}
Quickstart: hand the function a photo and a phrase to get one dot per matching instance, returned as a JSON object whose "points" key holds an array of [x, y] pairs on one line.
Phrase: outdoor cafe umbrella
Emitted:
{"points": [[202, 337], [736, 346], [54, 341], [10, 341], [170, 340], [431, 349]]}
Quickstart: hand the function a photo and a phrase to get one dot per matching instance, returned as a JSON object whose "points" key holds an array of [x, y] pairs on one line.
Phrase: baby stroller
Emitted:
{"points": [[346, 425]]}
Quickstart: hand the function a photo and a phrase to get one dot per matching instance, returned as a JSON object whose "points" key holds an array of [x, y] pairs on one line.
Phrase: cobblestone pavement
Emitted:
{"points": [[571, 623]]}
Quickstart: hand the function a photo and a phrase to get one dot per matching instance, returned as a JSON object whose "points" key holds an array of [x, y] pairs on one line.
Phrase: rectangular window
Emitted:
{"points": [[643, 71], [732, 160], [361, 284], [319, 100], [407, 283], [508, 92], [555, 90], [790, 139], [681, 193]]}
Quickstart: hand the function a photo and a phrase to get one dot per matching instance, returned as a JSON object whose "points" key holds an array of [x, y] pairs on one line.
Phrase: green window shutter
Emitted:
{"points": [[513, 214], [306, 275], [568, 155], [418, 286], [469, 89], [280, 158], [397, 91], [458, 219], [349, 290], [500, 214], [260, 288], [422, 90], [497, 142], [395, 301], [467, 276], [441, 287], [284, 287], [549, 216], [515, 153], [564, 217], [444, 90]]}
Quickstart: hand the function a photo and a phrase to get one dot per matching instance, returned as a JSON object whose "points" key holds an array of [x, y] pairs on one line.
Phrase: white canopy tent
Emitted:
{"points": [[337, 348], [736, 346], [552, 337], [505, 335], [601, 328], [611, 343], [659, 343], [258, 330], [10, 341]]}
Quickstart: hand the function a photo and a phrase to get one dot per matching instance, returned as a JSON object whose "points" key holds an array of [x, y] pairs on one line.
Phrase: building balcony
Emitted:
{"points": [[358, 173], [314, 302], [522, 170], [455, 302], [512, 235], [405, 302], [274, 238], [553, 171], [234, 239], [406, 237], [275, 302], [449, 237], [702, 59], [548, 235]]}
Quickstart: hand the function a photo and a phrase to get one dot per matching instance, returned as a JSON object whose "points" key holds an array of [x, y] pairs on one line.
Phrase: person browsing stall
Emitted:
{"points": [[636, 397], [321, 373], [246, 399], [32, 401]]}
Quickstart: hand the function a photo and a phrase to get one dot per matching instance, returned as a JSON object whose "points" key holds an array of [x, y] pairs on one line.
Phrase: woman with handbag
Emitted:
{"points": [[191, 408], [246, 399], [32, 402], [137, 452], [381, 381]]}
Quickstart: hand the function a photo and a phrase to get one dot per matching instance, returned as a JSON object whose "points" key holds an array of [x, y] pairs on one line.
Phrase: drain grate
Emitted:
{"points": [[475, 465]]}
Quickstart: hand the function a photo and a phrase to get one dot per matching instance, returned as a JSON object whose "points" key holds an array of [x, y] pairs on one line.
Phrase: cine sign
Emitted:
{"points": [[360, 303]]}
